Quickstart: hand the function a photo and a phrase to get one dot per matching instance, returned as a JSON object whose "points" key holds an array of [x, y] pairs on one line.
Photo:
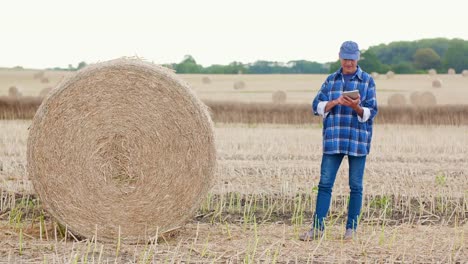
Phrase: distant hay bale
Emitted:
{"points": [[206, 80], [375, 75], [14, 92], [279, 97], [436, 83], [123, 150], [396, 100], [390, 75], [427, 99], [239, 85], [45, 91], [44, 80], [423, 99], [432, 72], [451, 71], [39, 75], [465, 73]]}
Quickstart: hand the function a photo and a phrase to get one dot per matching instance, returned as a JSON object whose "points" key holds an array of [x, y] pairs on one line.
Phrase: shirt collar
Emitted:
{"points": [[358, 73]]}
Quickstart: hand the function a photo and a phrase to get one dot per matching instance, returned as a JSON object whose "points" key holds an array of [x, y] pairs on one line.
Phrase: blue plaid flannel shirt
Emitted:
{"points": [[343, 132]]}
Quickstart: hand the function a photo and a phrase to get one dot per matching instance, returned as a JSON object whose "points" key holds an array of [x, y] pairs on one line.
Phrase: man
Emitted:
{"points": [[347, 131]]}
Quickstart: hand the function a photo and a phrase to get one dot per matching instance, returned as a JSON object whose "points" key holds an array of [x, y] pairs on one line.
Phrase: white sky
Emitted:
{"points": [[50, 33]]}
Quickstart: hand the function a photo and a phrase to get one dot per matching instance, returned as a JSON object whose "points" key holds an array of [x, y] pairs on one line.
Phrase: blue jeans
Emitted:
{"points": [[329, 168]]}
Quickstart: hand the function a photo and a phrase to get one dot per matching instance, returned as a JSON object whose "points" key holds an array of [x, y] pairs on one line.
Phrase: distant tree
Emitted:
{"points": [[334, 66], [81, 65], [303, 66], [370, 63], [188, 65], [403, 68], [456, 56], [426, 58]]}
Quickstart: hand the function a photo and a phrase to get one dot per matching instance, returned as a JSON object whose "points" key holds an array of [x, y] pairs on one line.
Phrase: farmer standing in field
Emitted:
{"points": [[347, 131]]}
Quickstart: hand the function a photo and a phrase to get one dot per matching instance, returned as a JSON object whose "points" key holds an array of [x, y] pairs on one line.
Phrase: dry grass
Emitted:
{"points": [[422, 111], [415, 203], [425, 113], [300, 88]]}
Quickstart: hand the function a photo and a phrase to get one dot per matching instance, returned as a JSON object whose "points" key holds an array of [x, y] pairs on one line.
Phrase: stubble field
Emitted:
{"points": [[415, 198]]}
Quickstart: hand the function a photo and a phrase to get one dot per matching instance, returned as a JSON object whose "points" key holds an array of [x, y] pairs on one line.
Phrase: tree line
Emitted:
{"points": [[404, 57]]}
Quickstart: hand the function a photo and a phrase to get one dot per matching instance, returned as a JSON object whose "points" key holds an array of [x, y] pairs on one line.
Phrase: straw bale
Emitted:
{"points": [[45, 80], [451, 71], [437, 83], [279, 97], [14, 92], [206, 80], [425, 99], [432, 72], [239, 85], [39, 75], [390, 75], [396, 100], [375, 75], [122, 149], [465, 73]]}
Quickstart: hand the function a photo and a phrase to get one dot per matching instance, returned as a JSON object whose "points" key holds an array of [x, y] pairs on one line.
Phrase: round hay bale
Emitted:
{"points": [[396, 100], [424, 99], [239, 85], [39, 75], [390, 75], [45, 91], [432, 72], [279, 97], [465, 73], [437, 83], [14, 92], [427, 99], [206, 80], [375, 75], [123, 150], [451, 71], [44, 80]]}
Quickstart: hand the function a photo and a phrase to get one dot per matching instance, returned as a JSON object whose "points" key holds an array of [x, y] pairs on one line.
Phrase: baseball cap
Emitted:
{"points": [[349, 50]]}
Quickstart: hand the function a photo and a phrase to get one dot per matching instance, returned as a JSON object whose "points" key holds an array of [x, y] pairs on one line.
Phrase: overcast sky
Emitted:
{"points": [[50, 33]]}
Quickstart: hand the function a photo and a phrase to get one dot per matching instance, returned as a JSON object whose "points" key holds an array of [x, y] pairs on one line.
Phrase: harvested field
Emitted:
{"points": [[415, 205]]}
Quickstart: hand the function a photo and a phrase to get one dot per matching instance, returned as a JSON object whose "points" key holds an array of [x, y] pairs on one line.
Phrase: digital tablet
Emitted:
{"points": [[353, 94]]}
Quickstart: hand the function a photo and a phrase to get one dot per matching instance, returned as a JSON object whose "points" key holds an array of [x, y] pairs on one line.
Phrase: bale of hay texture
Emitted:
{"points": [[44, 80], [423, 99], [465, 73], [451, 71], [375, 75], [436, 83], [279, 97], [39, 75], [432, 72], [239, 85], [206, 80], [396, 100], [14, 92], [390, 75], [123, 150]]}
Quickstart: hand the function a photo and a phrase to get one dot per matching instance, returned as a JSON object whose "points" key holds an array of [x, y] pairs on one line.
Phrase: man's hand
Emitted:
{"points": [[353, 103], [348, 101]]}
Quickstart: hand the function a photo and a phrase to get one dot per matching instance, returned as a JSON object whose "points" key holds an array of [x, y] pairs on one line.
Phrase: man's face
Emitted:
{"points": [[349, 66]]}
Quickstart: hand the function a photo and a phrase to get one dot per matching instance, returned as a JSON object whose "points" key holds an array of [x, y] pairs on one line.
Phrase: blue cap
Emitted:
{"points": [[349, 50]]}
